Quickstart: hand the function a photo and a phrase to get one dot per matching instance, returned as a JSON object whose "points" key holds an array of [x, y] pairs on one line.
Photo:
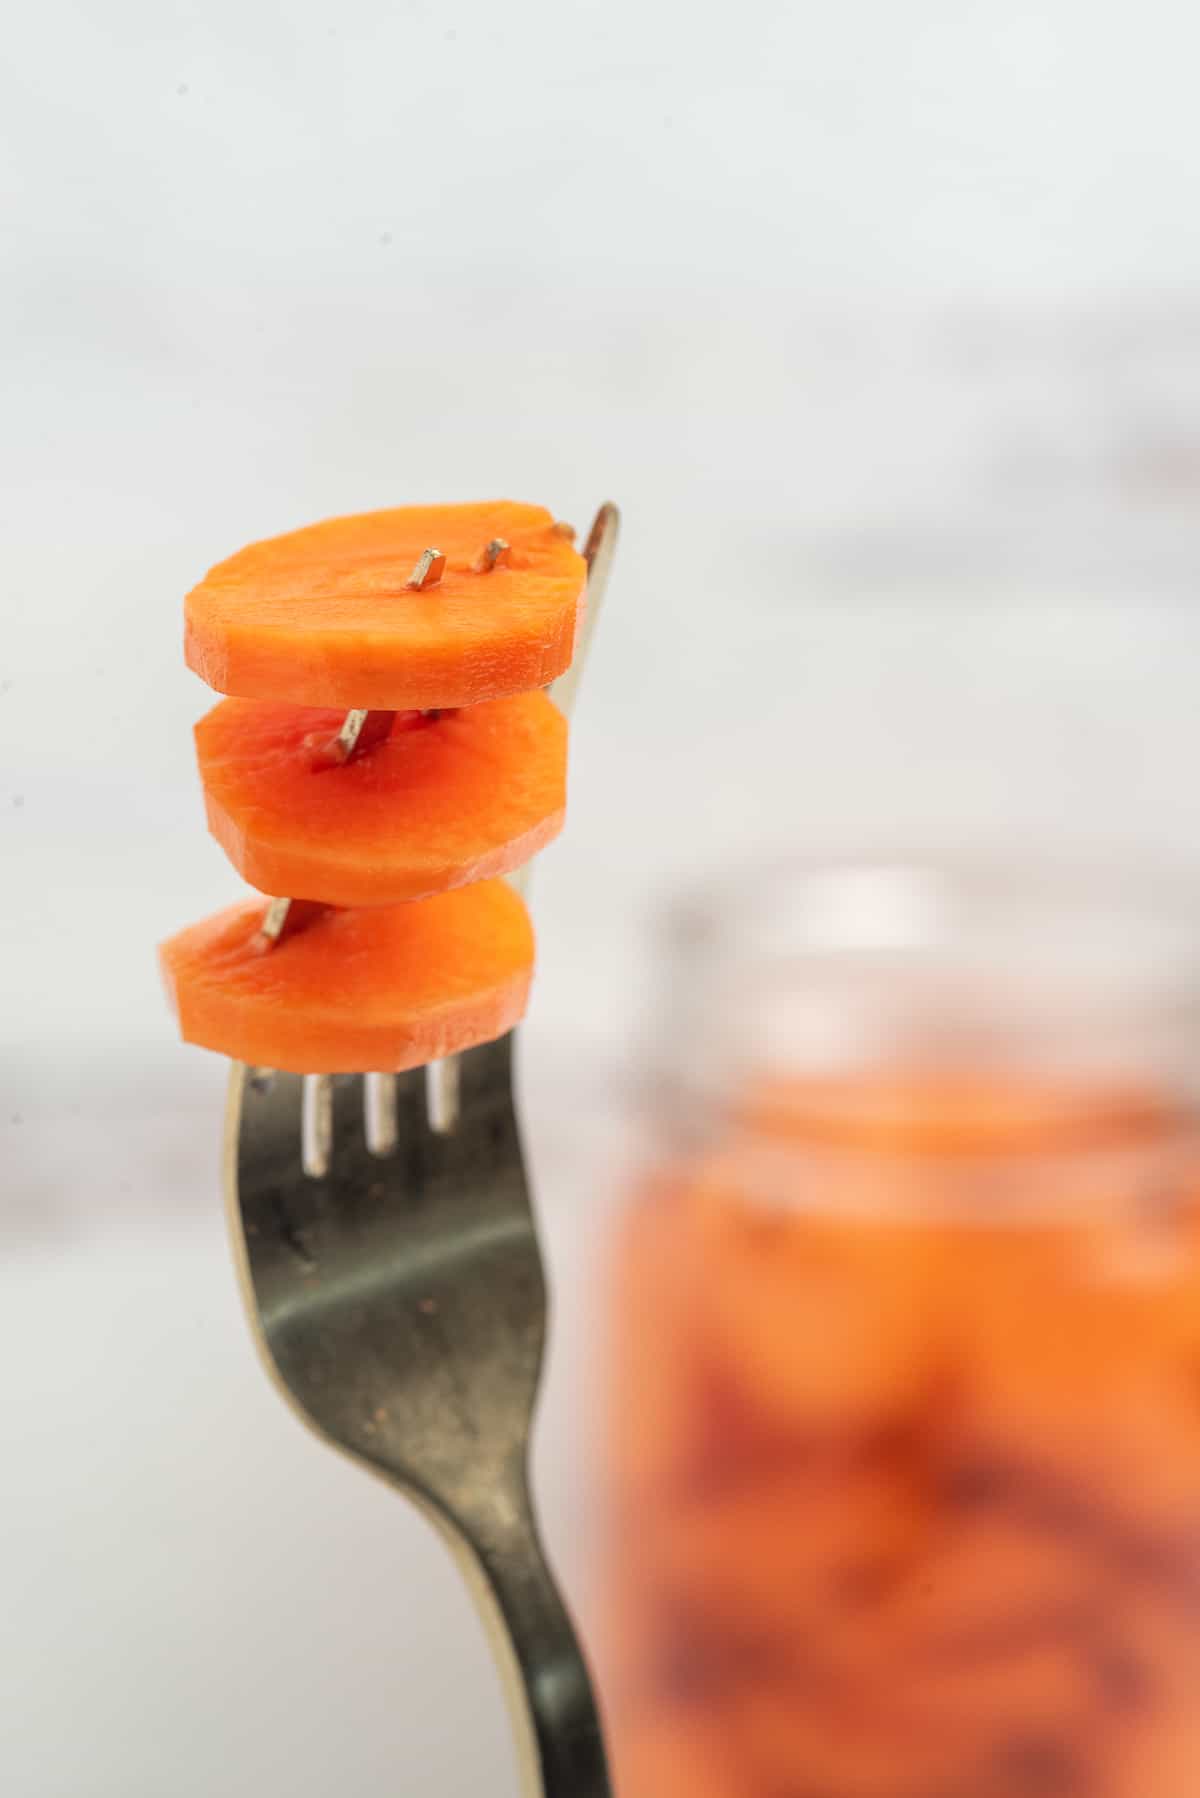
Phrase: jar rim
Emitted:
{"points": [[812, 965], [903, 882]]}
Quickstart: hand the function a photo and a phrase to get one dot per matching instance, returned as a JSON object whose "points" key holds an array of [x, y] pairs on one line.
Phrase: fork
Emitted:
{"points": [[389, 1262]]}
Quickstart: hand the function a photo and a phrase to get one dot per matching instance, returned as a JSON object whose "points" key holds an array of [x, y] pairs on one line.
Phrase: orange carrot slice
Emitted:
{"points": [[355, 991], [323, 616], [439, 803]]}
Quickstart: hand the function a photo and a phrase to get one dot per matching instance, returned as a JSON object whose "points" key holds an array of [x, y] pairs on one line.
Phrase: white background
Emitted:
{"points": [[880, 320]]}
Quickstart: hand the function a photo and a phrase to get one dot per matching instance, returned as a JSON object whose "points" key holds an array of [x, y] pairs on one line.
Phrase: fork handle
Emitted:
{"points": [[546, 1679]]}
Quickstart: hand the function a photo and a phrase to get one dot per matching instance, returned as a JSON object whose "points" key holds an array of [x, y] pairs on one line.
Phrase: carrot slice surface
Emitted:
{"points": [[441, 802], [375, 990], [323, 616]]}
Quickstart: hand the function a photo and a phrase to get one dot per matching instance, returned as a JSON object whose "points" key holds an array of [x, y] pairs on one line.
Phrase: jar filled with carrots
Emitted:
{"points": [[903, 1492]]}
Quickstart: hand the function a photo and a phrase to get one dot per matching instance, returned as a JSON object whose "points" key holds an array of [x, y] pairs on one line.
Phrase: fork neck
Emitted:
{"points": [[547, 1683]]}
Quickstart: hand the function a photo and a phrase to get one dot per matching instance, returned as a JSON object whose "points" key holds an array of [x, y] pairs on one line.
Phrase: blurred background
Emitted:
{"points": [[881, 323]]}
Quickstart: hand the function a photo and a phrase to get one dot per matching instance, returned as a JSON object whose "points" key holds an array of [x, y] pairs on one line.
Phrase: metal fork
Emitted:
{"points": [[398, 1298]]}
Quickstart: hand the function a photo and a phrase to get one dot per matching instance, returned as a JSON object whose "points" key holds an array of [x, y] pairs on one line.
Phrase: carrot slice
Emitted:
{"points": [[323, 616], [440, 802], [355, 991]]}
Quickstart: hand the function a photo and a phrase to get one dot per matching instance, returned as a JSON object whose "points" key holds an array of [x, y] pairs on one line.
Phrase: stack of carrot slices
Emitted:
{"points": [[387, 753]]}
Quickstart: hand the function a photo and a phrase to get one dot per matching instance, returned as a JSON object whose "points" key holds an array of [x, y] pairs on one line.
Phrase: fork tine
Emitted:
{"points": [[316, 1125], [442, 1094], [268, 1108], [381, 1114]]}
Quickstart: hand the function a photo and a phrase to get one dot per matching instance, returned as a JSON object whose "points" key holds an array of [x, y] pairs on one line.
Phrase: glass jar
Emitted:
{"points": [[904, 1419]]}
